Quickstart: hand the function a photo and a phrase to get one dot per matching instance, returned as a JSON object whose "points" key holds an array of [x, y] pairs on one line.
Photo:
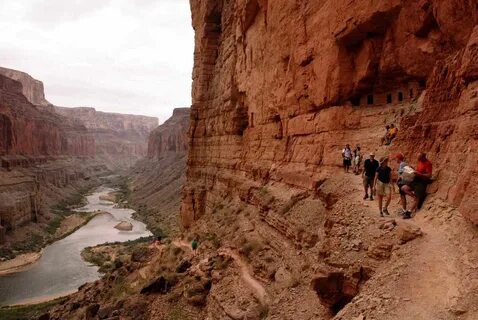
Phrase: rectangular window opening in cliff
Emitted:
{"points": [[355, 101], [251, 122], [400, 96], [422, 83], [370, 99], [389, 98]]}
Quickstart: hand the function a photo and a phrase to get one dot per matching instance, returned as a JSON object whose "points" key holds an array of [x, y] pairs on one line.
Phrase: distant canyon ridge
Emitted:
{"points": [[48, 152]]}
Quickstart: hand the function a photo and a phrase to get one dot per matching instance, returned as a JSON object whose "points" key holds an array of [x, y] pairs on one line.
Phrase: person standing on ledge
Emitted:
{"points": [[194, 245], [370, 167], [347, 158], [383, 177], [357, 160]]}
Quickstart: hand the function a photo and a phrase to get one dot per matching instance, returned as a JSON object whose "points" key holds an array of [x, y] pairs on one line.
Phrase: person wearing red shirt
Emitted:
{"points": [[424, 168], [423, 176], [418, 188]]}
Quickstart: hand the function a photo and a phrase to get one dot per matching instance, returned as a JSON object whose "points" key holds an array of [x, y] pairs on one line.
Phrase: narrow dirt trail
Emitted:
{"points": [[257, 289], [429, 280]]}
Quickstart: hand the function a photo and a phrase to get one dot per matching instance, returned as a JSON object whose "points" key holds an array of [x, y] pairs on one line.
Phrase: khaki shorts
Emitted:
{"points": [[383, 189]]}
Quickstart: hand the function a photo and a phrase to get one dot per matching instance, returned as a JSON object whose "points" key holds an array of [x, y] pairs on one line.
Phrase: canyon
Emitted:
{"points": [[50, 154], [279, 88], [120, 139], [156, 181]]}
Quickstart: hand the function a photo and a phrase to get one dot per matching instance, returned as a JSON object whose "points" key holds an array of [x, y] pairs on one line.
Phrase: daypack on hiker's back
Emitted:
{"points": [[408, 174]]}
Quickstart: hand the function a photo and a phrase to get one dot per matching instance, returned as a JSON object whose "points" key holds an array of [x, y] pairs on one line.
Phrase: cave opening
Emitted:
{"points": [[370, 99], [389, 98], [355, 101], [400, 96]]}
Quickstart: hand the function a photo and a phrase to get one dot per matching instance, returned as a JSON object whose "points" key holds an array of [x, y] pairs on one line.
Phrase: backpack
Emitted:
{"points": [[408, 175]]}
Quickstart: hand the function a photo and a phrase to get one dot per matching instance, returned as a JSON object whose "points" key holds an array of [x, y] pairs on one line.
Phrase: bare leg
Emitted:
{"points": [[389, 199], [380, 198], [403, 200]]}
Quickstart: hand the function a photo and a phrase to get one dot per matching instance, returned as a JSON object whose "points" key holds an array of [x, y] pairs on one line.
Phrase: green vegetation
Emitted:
{"points": [[28, 311], [54, 225], [123, 192], [64, 207], [263, 191], [33, 244]]}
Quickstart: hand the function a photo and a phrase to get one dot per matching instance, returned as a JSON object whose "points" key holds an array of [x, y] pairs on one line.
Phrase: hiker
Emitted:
{"points": [[406, 175], [383, 187], [370, 167], [194, 245], [423, 176], [392, 133], [385, 136], [357, 159], [347, 158]]}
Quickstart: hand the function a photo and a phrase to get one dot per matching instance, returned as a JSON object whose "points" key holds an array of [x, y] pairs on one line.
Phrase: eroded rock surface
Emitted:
{"points": [[120, 139], [158, 179]]}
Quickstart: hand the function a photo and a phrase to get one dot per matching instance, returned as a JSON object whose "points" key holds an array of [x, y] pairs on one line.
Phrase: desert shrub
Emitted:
{"points": [[213, 238], [54, 224], [250, 247]]}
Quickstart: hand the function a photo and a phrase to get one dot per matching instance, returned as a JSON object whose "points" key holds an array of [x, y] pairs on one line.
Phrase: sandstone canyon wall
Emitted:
{"points": [[281, 86], [43, 155], [121, 139], [157, 180], [32, 88]]}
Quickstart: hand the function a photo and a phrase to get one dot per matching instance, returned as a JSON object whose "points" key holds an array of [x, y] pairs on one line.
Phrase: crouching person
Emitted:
{"points": [[423, 177]]}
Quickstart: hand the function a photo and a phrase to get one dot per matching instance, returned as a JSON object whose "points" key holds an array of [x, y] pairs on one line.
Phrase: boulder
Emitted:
{"points": [[407, 232], [124, 226]]}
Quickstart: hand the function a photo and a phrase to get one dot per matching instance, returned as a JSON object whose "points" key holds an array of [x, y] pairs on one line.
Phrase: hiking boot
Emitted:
{"points": [[365, 197], [371, 198], [381, 214], [385, 211], [407, 215]]}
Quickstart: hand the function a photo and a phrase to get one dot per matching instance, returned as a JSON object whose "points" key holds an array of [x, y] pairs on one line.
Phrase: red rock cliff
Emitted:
{"points": [[32, 88], [280, 86], [120, 138], [171, 136], [30, 130], [158, 179]]}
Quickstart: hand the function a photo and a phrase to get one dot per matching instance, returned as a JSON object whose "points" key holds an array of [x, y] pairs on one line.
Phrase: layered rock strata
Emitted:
{"points": [[120, 139], [27, 130], [157, 180], [280, 87]]}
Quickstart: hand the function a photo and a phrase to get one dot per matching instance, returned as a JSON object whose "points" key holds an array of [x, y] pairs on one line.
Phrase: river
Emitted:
{"points": [[61, 270]]}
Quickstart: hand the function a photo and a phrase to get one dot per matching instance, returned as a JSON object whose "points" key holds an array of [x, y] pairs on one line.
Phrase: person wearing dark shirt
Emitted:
{"points": [[383, 177], [368, 174]]}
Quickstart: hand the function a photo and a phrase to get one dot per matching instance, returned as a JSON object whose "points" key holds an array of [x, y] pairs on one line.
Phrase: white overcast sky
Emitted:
{"points": [[127, 56]]}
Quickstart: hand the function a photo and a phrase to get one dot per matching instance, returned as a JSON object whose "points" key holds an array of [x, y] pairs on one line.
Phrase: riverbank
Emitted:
{"points": [[69, 225], [61, 269], [54, 221], [29, 311], [18, 263]]}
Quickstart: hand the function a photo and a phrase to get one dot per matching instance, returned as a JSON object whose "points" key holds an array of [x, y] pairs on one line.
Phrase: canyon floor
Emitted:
{"points": [[248, 267]]}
